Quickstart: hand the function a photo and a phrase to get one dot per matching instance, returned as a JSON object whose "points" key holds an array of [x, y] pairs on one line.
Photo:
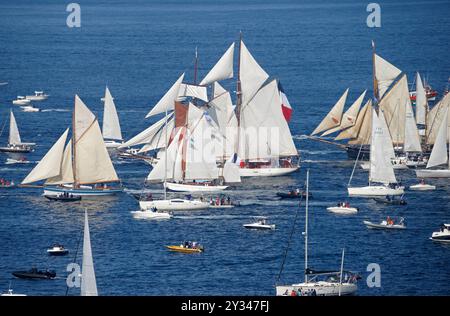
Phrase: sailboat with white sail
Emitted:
{"points": [[381, 169], [88, 280], [112, 133], [439, 155], [82, 167], [15, 144], [321, 283]]}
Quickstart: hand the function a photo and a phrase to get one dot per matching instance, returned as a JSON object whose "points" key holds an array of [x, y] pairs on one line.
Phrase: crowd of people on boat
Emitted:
{"points": [[191, 245], [220, 200], [66, 194], [6, 183], [300, 292]]}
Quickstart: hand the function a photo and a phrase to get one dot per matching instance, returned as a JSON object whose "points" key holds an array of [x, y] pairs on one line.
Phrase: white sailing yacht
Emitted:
{"points": [[112, 133], [15, 144], [83, 166], [88, 281], [381, 169], [439, 155], [336, 283]]}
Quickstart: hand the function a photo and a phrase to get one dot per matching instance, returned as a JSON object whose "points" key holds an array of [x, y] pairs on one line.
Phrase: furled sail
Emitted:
{"points": [[385, 74], [333, 118], [381, 169], [88, 281], [349, 117], [264, 132], [223, 69], [92, 161], [14, 136], [252, 76], [50, 164], [421, 101], [166, 103], [439, 154], [111, 125]]}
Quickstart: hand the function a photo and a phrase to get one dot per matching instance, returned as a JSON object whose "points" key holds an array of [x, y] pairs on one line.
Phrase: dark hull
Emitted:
{"points": [[36, 276], [441, 238], [59, 253], [392, 202], [12, 150], [293, 196], [353, 150], [63, 199]]}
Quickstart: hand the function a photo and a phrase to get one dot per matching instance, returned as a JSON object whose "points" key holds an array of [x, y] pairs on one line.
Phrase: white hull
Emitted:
{"points": [[21, 102], [266, 172], [36, 97], [82, 191], [180, 187], [151, 215], [174, 205], [321, 288], [439, 173], [422, 187], [375, 190], [383, 226], [343, 210], [111, 144], [400, 166], [30, 109], [259, 226]]}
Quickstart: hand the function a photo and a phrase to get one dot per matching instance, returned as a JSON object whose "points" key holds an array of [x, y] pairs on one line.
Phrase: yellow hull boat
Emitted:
{"points": [[185, 250]]}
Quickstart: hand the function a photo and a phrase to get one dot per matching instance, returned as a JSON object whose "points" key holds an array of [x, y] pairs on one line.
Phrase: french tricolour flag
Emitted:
{"points": [[285, 105]]}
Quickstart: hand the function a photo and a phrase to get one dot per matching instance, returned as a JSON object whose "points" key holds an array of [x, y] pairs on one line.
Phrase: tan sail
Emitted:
{"points": [[66, 174], [364, 133], [333, 118], [385, 74], [50, 164], [349, 117], [354, 130]]}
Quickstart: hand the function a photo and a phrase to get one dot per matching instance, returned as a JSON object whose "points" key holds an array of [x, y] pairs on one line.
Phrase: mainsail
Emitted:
{"points": [[88, 281], [439, 154], [333, 118], [359, 128], [435, 117], [421, 101], [14, 136], [111, 125], [412, 138], [381, 169], [385, 74]]}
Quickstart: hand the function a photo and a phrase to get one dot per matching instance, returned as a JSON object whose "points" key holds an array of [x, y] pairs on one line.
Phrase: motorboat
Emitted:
{"points": [[30, 108], [194, 187], [260, 223], [187, 247], [222, 202], [390, 200], [293, 194], [34, 273], [375, 190], [63, 197], [343, 208], [21, 100], [422, 186], [10, 161], [443, 235], [151, 214], [38, 96], [386, 224], [57, 250]]}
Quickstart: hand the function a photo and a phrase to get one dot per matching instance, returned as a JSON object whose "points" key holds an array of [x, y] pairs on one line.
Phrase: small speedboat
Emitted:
{"points": [[187, 247], [151, 214], [293, 194], [422, 186], [386, 224], [63, 198], [38, 96], [343, 208], [443, 235], [21, 100], [10, 161], [30, 108], [35, 274], [260, 223], [57, 250], [390, 200]]}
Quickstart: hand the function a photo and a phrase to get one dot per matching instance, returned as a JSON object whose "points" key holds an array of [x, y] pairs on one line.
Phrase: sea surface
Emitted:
{"points": [[139, 48]]}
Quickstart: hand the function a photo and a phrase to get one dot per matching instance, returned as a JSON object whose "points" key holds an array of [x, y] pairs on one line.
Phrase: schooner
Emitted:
{"points": [[82, 167]]}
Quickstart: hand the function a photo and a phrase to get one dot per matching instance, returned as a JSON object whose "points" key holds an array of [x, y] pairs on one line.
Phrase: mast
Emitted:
{"points": [[238, 85], [195, 66], [165, 158], [74, 148], [375, 85], [342, 271], [306, 226]]}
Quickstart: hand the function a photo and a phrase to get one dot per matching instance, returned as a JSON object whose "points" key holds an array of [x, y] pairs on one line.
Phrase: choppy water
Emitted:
{"points": [[139, 48]]}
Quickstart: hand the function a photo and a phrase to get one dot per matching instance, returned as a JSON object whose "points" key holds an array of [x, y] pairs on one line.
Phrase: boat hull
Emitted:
{"points": [[174, 205], [15, 150], [266, 172], [56, 191], [184, 250], [62, 199], [321, 288], [422, 187], [342, 210], [259, 226], [380, 226], [181, 187], [376, 190], [151, 215], [425, 173]]}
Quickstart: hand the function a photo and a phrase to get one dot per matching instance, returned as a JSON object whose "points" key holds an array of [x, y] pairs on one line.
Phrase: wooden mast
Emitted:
{"points": [[238, 84], [375, 84], [74, 165]]}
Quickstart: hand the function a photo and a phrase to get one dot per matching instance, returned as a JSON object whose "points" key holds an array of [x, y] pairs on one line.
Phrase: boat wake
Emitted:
{"points": [[56, 110]]}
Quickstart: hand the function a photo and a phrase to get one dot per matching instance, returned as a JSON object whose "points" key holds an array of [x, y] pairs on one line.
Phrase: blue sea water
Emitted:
{"points": [[139, 48]]}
